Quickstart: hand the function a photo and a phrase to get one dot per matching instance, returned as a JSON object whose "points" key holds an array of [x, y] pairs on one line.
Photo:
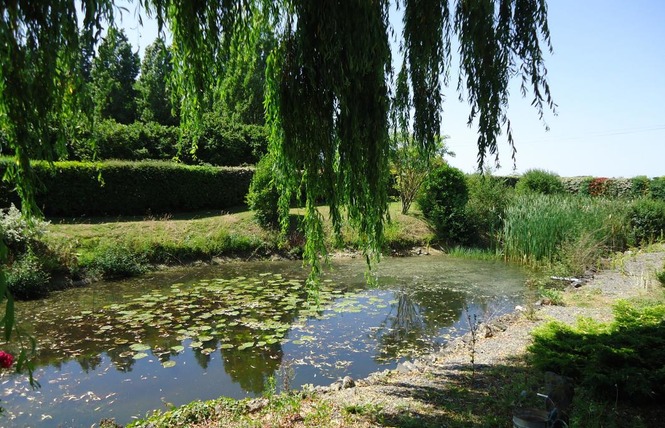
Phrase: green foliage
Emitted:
{"points": [[128, 188], [647, 220], [136, 141], [539, 181], [116, 262], [224, 143], [657, 188], [153, 93], [639, 186], [537, 228], [624, 359], [27, 278], [263, 197], [489, 197], [442, 202], [114, 72], [241, 90]]}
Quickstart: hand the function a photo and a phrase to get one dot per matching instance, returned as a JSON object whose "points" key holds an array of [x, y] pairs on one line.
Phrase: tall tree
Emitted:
{"points": [[154, 101], [114, 72]]}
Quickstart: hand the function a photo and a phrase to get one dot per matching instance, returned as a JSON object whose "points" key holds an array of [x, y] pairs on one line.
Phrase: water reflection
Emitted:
{"points": [[188, 337]]}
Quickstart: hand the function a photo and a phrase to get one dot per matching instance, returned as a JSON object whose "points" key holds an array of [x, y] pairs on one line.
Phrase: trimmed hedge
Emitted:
{"points": [[72, 189]]}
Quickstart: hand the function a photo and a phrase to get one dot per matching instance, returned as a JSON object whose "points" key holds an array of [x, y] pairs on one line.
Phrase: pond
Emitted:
{"points": [[121, 349]]}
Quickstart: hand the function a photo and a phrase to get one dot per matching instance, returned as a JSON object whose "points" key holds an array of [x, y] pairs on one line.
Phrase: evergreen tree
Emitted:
{"points": [[114, 72], [154, 96]]}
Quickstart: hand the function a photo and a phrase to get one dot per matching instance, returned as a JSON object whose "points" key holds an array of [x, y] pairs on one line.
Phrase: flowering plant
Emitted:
{"points": [[6, 360]]}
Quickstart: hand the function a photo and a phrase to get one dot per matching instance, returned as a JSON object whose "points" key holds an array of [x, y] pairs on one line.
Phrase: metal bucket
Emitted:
{"points": [[530, 418]]}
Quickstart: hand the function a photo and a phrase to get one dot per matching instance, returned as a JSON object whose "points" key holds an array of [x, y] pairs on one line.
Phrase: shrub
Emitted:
{"points": [[225, 144], [657, 188], [598, 187], [647, 220], [539, 181], [27, 279], [574, 185], [624, 359], [263, 197], [442, 201], [17, 231], [485, 210], [117, 262], [639, 186]]}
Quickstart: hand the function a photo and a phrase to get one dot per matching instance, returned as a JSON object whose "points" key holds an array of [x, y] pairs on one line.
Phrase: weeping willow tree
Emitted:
{"points": [[327, 91]]}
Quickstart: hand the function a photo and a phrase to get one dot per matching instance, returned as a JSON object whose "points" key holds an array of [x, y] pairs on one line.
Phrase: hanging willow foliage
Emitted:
{"points": [[327, 94]]}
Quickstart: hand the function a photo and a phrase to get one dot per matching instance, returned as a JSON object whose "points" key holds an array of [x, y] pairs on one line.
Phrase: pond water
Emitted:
{"points": [[121, 349]]}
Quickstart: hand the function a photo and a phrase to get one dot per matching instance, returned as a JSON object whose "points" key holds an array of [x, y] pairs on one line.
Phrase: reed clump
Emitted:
{"points": [[574, 230]]}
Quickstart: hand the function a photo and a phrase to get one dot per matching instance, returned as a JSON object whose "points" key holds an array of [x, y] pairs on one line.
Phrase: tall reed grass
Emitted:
{"points": [[542, 229]]}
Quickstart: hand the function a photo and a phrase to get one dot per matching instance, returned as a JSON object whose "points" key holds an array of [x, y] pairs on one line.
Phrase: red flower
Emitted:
{"points": [[6, 360]]}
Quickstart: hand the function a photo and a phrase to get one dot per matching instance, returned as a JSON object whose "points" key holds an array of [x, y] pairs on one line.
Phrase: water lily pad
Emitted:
{"points": [[138, 347], [195, 345], [168, 364], [245, 346], [227, 346], [208, 351], [139, 355], [177, 348]]}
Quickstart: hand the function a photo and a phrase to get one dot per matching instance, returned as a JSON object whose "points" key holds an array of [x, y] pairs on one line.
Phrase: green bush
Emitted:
{"points": [[657, 188], [647, 220], [134, 188], [217, 142], [27, 278], [442, 201], [624, 359], [263, 197], [485, 210], [639, 186], [116, 262], [539, 181], [225, 144]]}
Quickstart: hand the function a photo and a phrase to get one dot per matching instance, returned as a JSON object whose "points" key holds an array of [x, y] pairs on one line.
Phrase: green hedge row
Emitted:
{"points": [[133, 188], [631, 188]]}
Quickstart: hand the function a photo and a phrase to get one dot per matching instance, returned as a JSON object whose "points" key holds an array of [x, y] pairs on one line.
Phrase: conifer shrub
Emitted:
{"points": [[263, 197], [442, 201], [623, 359]]}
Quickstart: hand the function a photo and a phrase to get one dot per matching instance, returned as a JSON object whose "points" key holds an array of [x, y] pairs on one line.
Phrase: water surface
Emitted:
{"points": [[121, 349]]}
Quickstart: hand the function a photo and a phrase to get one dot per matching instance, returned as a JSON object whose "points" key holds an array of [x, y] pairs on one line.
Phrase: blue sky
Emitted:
{"points": [[606, 76]]}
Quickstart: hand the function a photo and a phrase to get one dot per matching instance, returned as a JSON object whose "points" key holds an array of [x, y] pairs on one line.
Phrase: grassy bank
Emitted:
{"points": [[121, 246]]}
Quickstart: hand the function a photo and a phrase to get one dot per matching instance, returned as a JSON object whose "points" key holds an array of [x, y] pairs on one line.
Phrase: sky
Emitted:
{"points": [[606, 76]]}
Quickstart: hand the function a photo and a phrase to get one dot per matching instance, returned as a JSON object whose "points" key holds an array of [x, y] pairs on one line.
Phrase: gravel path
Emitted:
{"points": [[631, 276]]}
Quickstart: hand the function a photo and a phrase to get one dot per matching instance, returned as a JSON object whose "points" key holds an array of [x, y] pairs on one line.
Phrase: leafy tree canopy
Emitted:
{"points": [[327, 92]]}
